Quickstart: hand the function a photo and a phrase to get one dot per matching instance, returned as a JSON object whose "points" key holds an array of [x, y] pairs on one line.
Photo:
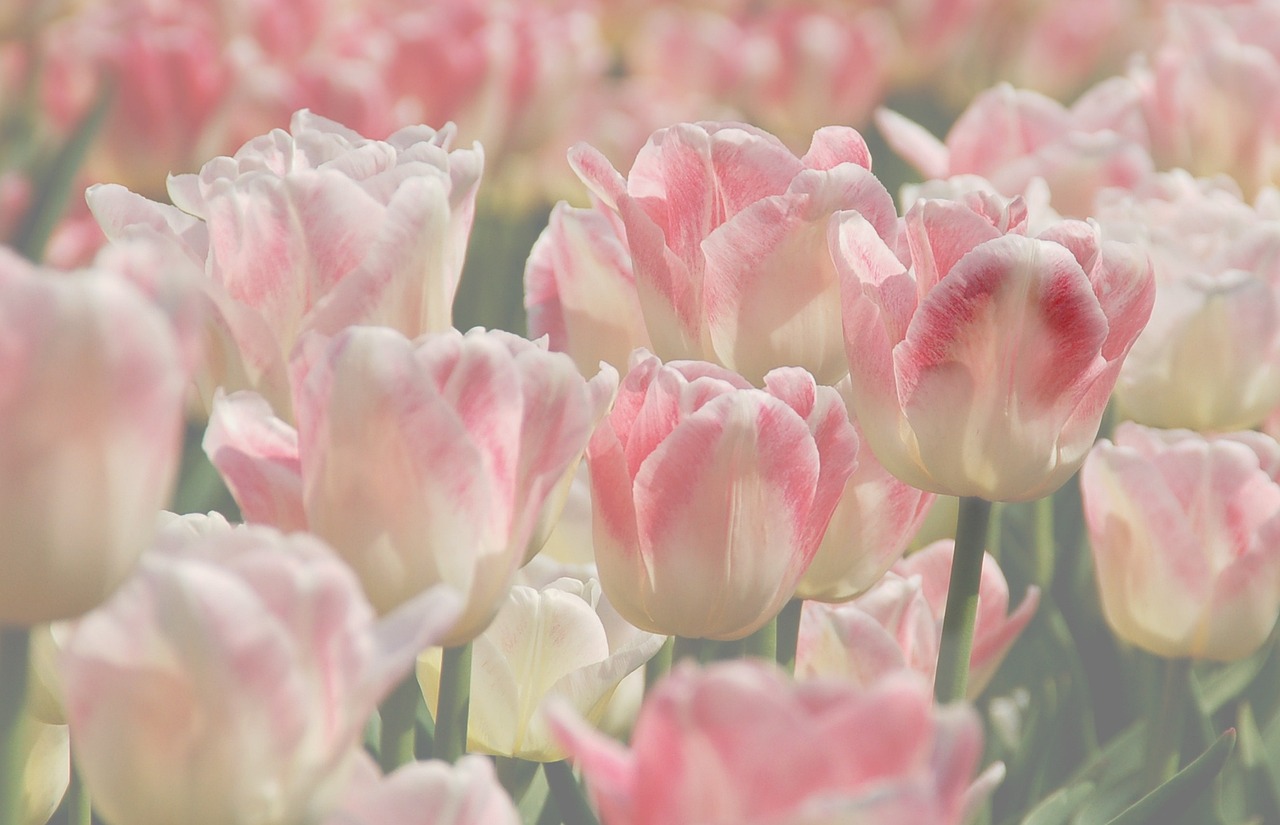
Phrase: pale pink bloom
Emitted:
{"points": [[580, 289], [876, 519], [908, 606], [726, 229], [426, 793], [1062, 45], [1210, 93], [553, 641], [1209, 359], [91, 400], [738, 744], [933, 32], [422, 462], [1185, 531], [163, 65], [1011, 136], [315, 229], [710, 496], [231, 678], [982, 367]]}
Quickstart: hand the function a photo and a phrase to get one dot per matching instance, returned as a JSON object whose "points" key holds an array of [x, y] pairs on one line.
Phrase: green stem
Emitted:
{"points": [[764, 642], [657, 667], [15, 659], [1165, 726], [570, 801], [1045, 550], [685, 648], [788, 634], [962, 600], [454, 702], [399, 712], [79, 807]]}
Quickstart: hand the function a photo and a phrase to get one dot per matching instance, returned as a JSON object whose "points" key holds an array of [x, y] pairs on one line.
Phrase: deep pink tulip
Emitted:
{"points": [[92, 385], [230, 680], [738, 744], [1185, 533], [710, 496], [314, 230], [982, 367], [726, 229], [422, 462]]}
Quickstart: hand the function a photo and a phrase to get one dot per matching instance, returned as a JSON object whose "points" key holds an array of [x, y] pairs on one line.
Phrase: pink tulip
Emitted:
{"points": [[580, 290], [91, 400], [983, 367], [316, 229], [1209, 359], [737, 743], [908, 605], [422, 462], [1186, 539], [711, 497], [876, 519], [726, 231], [1011, 136], [231, 678], [426, 793]]}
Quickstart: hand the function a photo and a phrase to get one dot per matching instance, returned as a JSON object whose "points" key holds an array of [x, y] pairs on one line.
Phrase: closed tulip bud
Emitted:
{"points": [[230, 680], [91, 406], [982, 366], [710, 496], [1185, 531], [421, 462]]}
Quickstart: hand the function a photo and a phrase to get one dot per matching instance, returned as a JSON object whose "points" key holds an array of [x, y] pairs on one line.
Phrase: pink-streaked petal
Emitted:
{"points": [[915, 144], [595, 170], [257, 456], [940, 233], [833, 145]]}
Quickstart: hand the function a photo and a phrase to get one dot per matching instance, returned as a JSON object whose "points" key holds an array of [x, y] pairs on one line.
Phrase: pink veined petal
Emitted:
{"points": [[1001, 125], [870, 270], [595, 170], [116, 209], [735, 478], [670, 291], [609, 768], [257, 455], [833, 145], [915, 144], [623, 569], [1007, 342], [940, 233]]}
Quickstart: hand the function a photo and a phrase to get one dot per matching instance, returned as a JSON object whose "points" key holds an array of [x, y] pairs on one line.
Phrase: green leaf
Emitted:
{"points": [[1057, 808], [1163, 805]]}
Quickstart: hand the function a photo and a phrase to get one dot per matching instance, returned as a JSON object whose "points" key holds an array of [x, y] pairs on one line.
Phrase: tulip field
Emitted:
{"points": [[639, 412]]}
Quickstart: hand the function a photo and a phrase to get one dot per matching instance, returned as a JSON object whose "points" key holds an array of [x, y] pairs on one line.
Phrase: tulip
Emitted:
{"points": [[91, 405], [1011, 136], [313, 230], [983, 367], [421, 462], [711, 497], [726, 231], [45, 759], [426, 793], [908, 606], [552, 642], [738, 743], [1185, 531], [231, 678], [1209, 359]]}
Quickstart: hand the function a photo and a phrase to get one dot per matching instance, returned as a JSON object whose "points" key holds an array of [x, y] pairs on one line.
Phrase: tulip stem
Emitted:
{"points": [[1164, 729], [1045, 551], [764, 642], [399, 712], [15, 650], [567, 793], [657, 667], [962, 600], [789, 634], [454, 703], [79, 806], [685, 648]]}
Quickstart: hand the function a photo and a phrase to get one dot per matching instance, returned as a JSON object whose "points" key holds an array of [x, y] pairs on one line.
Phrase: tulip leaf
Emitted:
{"points": [[1230, 682], [53, 188], [1057, 807], [1165, 803]]}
